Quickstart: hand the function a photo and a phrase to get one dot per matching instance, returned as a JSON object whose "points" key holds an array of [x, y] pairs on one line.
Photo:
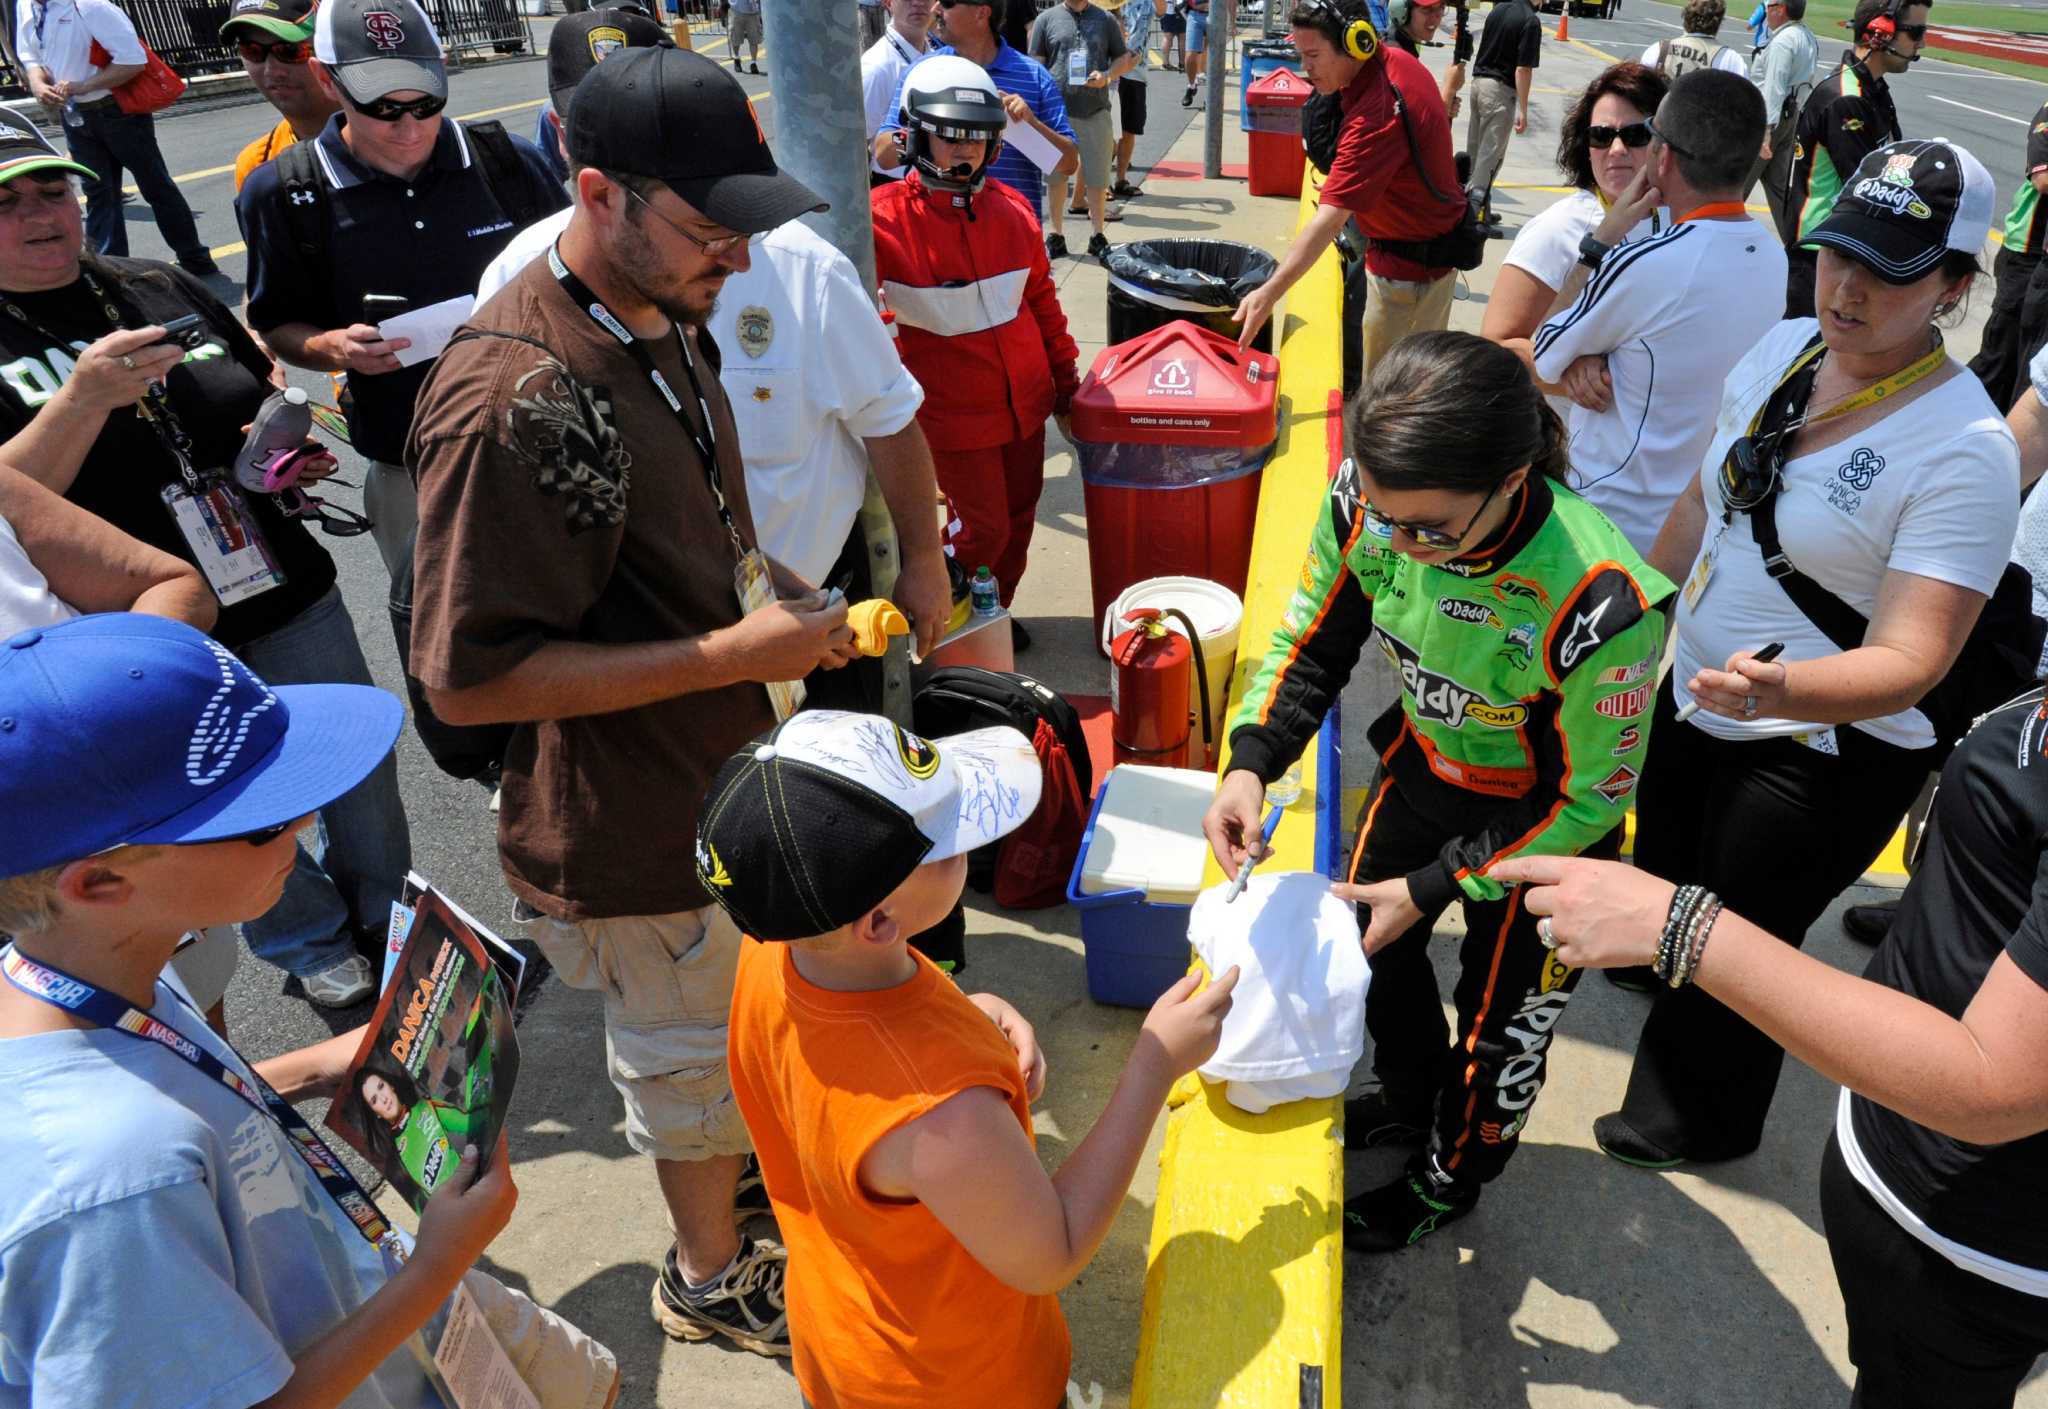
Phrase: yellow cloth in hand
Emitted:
{"points": [[873, 622]]}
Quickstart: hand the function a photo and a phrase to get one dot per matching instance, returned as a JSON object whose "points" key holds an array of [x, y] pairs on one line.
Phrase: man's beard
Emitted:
{"points": [[640, 268]]}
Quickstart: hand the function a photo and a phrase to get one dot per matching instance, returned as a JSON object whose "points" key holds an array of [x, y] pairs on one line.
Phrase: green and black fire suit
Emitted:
{"points": [[1527, 669], [1848, 116]]}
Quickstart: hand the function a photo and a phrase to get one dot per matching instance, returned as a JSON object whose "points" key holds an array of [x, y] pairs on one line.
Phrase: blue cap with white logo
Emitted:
{"points": [[124, 729]]}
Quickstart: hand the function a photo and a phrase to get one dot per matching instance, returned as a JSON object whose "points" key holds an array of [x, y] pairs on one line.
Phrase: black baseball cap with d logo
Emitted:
{"points": [[676, 116], [1907, 205], [23, 150], [379, 47]]}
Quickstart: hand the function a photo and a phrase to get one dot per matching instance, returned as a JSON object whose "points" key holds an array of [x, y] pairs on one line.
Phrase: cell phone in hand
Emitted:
{"points": [[187, 332], [378, 307]]}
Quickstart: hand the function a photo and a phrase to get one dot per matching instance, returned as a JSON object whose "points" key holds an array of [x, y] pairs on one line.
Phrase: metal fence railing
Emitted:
{"points": [[187, 33]]}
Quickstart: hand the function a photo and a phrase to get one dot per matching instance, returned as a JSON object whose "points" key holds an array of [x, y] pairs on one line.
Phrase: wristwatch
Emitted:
{"points": [[1592, 251]]}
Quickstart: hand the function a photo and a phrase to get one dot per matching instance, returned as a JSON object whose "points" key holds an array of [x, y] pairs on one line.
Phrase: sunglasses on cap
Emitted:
{"points": [[1631, 135], [391, 109], [291, 51]]}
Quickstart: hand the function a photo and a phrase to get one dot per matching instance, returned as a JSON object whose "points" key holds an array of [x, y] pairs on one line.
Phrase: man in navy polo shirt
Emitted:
{"points": [[391, 210], [1029, 96]]}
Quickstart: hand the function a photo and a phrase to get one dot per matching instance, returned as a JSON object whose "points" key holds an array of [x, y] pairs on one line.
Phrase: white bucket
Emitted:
{"points": [[1216, 613]]}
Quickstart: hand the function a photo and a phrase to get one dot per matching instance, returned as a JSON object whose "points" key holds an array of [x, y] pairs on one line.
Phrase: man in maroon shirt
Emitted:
{"points": [[1375, 180]]}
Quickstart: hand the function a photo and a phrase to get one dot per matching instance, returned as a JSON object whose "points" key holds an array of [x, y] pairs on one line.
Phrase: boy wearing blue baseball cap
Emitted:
{"points": [[150, 784]]}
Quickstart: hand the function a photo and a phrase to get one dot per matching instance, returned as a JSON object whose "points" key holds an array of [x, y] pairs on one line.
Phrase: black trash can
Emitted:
{"points": [[1154, 282]]}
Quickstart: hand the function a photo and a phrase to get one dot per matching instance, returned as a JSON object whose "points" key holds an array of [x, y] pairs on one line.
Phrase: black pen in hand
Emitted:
{"points": [[1768, 653]]}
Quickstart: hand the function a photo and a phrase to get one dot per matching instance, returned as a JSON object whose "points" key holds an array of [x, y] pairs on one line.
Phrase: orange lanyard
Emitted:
{"points": [[1713, 210]]}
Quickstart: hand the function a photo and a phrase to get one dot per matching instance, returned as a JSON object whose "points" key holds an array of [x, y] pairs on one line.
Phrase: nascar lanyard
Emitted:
{"points": [[1809, 362], [75, 995], [706, 440], [154, 405]]}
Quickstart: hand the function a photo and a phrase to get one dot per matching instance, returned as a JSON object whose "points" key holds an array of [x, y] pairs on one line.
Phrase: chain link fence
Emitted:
{"points": [[187, 33]]}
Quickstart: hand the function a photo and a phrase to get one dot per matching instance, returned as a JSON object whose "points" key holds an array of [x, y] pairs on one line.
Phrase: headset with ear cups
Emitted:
{"points": [[1354, 32], [1886, 25]]}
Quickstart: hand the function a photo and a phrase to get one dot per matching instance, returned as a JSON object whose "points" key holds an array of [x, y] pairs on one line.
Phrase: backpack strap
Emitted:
{"points": [[305, 201], [504, 173]]}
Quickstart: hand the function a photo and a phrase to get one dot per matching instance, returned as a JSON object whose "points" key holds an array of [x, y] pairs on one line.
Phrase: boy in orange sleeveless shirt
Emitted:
{"points": [[890, 1115]]}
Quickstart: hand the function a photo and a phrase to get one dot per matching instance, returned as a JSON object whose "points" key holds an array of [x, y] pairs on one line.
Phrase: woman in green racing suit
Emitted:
{"points": [[1526, 635]]}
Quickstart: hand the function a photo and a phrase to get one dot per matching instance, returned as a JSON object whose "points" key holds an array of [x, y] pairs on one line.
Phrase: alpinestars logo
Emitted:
{"points": [[1584, 634], [223, 727]]}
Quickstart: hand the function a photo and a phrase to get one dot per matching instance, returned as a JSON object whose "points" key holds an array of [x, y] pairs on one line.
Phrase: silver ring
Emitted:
{"points": [[1545, 933], [1749, 706], [127, 361]]}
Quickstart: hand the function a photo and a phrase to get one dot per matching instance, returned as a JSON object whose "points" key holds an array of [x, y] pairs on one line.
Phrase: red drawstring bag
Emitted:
{"points": [[1033, 862], [155, 88]]}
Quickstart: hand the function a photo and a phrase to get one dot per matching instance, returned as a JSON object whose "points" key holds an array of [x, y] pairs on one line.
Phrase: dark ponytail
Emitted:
{"points": [[1456, 412]]}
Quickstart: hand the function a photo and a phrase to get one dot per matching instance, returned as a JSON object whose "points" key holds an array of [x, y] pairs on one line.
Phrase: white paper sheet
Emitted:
{"points": [[1035, 145], [429, 328], [476, 1367]]}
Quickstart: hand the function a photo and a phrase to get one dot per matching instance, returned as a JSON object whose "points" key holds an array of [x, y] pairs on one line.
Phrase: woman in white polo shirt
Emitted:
{"points": [[1606, 136], [1896, 489]]}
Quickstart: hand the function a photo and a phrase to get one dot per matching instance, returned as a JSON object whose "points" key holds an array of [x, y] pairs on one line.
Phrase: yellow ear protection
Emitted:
{"points": [[1354, 32]]}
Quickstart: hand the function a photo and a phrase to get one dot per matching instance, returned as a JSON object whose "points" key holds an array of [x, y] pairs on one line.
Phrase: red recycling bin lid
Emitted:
{"points": [[1282, 88], [1178, 385]]}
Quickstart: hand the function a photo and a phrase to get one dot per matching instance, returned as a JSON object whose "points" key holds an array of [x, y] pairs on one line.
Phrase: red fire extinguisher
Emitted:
{"points": [[1148, 690]]}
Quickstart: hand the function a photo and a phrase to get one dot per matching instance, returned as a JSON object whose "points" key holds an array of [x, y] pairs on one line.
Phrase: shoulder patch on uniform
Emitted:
{"points": [[1606, 603], [1344, 499]]}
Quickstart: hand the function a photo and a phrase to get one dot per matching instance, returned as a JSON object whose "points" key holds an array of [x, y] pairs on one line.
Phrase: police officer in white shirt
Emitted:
{"points": [[819, 397], [903, 43]]}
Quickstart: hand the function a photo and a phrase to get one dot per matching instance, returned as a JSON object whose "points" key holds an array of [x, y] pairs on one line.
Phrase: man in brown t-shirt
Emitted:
{"points": [[583, 526]]}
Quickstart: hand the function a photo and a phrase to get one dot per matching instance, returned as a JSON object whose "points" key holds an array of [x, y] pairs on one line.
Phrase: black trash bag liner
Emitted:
{"points": [[1155, 282]]}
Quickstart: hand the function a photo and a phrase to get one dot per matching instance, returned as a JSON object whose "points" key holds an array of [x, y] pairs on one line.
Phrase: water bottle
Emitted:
{"points": [[982, 592], [1282, 791], [283, 423]]}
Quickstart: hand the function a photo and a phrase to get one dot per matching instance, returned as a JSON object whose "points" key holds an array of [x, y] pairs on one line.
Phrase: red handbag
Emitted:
{"points": [[156, 87]]}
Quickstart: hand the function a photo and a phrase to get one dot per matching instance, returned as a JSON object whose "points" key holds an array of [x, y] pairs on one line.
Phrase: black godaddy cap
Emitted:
{"points": [[580, 41], [678, 117], [24, 150], [1909, 204], [816, 822]]}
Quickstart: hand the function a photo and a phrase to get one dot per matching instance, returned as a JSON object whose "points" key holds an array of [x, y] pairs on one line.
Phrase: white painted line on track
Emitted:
{"points": [[1972, 107]]}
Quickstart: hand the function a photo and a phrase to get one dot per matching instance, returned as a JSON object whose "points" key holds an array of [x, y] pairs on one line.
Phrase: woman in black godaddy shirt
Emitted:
{"points": [[96, 404]]}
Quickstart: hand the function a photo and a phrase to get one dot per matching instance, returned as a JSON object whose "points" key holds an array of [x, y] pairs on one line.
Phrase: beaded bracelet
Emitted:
{"points": [[1684, 903], [1696, 924], [1704, 927]]}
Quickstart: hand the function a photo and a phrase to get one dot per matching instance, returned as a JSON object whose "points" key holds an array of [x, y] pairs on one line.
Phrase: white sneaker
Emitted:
{"points": [[340, 985]]}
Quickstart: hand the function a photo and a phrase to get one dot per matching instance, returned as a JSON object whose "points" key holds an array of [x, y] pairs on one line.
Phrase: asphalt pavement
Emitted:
{"points": [[1988, 113]]}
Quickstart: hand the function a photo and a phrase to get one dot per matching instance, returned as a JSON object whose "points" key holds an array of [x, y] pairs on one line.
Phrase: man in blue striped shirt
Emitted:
{"points": [[1029, 95]]}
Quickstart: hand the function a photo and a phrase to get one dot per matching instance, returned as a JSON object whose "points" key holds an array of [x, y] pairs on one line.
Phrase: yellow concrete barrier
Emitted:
{"points": [[1244, 1283]]}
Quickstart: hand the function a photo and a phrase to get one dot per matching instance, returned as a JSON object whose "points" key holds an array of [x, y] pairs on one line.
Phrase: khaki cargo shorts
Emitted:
{"points": [[667, 985]]}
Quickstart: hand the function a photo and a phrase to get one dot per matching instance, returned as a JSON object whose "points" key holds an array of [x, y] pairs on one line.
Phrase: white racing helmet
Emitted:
{"points": [[951, 97]]}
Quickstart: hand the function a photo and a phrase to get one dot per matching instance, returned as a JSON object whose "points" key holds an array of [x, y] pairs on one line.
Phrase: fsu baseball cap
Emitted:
{"points": [[123, 729], [580, 41], [816, 822], [376, 47], [281, 19], [1909, 204], [24, 150], [678, 117]]}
